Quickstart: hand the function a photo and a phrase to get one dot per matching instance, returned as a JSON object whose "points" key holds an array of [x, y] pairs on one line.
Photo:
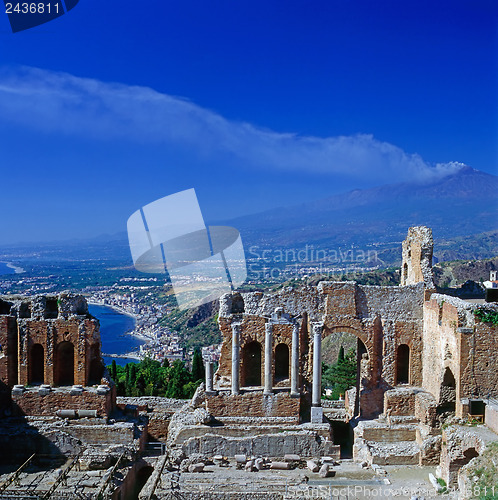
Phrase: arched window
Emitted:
{"points": [[403, 365], [37, 365], [251, 359], [447, 394], [65, 364], [281, 362]]}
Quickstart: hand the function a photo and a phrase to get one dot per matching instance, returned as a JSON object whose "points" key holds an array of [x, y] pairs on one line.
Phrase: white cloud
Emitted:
{"points": [[59, 102]]}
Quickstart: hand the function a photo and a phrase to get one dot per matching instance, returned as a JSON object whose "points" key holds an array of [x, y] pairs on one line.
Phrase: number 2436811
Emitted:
{"points": [[31, 8]]}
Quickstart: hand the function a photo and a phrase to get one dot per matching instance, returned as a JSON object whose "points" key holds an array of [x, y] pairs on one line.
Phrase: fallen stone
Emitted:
{"points": [[199, 467], [259, 464], [280, 465], [249, 466], [312, 466], [289, 457], [324, 471]]}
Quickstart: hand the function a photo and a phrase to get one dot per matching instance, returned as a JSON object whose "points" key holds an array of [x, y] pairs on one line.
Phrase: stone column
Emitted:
{"points": [[268, 358], [295, 361], [209, 376], [235, 358], [317, 364], [316, 396]]}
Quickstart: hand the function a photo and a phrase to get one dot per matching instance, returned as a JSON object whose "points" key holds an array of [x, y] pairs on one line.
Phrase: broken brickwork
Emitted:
{"points": [[49, 339]]}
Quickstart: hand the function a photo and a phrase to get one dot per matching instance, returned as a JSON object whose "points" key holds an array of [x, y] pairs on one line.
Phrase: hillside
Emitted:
{"points": [[455, 207]]}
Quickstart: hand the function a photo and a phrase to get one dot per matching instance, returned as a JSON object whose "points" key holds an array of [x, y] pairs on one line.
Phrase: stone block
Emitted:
{"points": [[316, 415], [312, 466], [199, 467]]}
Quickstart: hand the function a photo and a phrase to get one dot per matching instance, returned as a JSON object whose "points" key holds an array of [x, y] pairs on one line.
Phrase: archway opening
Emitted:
{"points": [[37, 365], [403, 365], [251, 359], [96, 366], [65, 364], [281, 362], [447, 393]]}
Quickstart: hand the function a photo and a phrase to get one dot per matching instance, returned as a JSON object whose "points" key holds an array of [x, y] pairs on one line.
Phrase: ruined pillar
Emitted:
{"points": [[317, 365], [268, 358], [316, 396], [209, 376], [235, 358], [295, 361]]}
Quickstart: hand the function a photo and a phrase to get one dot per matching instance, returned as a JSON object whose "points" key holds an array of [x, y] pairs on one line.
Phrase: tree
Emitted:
{"points": [[341, 375], [340, 357], [166, 362], [197, 366], [114, 371], [179, 377]]}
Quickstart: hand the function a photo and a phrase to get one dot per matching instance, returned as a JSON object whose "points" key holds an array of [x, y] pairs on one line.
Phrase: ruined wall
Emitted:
{"points": [[254, 404], [454, 339], [417, 257], [383, 318], [49, 339], [34, 404]]}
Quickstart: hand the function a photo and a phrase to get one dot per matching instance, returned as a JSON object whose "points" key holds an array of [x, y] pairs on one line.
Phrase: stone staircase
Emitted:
{"points": [[400, 438], [381, 443]]}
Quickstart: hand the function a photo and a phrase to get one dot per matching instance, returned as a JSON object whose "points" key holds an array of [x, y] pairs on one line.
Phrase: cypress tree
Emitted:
{"points": [[197, 366], [341, 355], [114, 371]]}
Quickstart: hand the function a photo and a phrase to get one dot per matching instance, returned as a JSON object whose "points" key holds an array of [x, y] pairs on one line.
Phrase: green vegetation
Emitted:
{"points": [[149, 378], [487, 316], [484, 474], [197, 327], [341, 375], [443, 485]]}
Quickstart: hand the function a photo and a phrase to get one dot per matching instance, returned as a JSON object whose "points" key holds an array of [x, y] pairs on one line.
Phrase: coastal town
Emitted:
{"points": [[160, 342]]}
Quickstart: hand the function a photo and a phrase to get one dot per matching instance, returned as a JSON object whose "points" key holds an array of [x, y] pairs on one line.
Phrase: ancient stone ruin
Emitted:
{"points": [[427, 365], [422, 357]]}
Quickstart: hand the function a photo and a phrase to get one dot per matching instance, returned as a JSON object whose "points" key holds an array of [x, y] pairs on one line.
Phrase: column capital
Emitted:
{"points": [[317, 328]]}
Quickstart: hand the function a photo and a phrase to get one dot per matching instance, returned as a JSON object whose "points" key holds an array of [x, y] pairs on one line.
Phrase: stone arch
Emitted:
{"points": [[282, 364], [365, 370], [251, 362], [403, 364], [36, 364], [64, 366], [447, 393]]}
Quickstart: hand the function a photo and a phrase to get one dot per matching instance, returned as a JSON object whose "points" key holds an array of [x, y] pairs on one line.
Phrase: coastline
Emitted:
{"points": [[17, 269], [116, 308], [132, 333]]}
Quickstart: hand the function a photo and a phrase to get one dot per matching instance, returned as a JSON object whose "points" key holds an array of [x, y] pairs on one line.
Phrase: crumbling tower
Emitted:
{"points": [[417, 257]]}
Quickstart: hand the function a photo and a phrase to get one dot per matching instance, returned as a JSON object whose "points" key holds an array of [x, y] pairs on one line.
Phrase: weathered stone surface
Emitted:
{"points": [[324, 470], [312, 465], [198, 467]]}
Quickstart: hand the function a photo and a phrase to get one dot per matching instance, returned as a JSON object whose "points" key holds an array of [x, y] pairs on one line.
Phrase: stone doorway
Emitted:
{"points": [[281, 362], [65, 364], [403, 365], [37, 365], [251, 359]]}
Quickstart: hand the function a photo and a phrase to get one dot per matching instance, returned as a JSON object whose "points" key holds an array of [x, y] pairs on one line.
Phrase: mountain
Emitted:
{"points": [[464, 203]]}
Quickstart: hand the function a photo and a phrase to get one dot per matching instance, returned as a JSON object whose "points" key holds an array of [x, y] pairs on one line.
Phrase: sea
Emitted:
{"points": [[5, 270], [114, 328]]}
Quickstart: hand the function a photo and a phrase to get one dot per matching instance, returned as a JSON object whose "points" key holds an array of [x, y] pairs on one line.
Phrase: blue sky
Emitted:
{"points": [[254, 104]]}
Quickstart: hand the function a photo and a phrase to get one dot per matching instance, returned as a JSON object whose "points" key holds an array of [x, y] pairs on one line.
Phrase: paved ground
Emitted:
{"points": [[349, 482]]}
